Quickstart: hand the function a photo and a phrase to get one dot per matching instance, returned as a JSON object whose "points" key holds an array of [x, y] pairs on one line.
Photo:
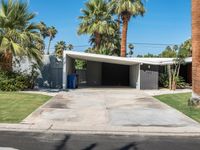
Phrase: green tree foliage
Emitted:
{"points": [[43, 29], [19, 36], [131, 48], [169, 52], [97, 21], [70, 47], [17, 81], [59, 48], [51, 32], [47, 32], [80, 64], [186, 49], [148, 55]]}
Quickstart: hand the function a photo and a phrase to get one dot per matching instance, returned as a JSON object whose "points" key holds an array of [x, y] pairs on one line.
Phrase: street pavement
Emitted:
{"points": [[52, 141]]}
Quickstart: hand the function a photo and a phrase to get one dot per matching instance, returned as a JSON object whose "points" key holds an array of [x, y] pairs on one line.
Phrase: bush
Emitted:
{"points": [[164, 81], [181, 82], [32, 76], [18, 81], [13, 81]]}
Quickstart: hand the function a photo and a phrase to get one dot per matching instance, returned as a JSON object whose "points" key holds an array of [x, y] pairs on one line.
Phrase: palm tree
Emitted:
{"points": [[96, 21], [127, 9], [196, 51], [59, 48], [43, 29], [18, 37], [51, 32], [70, 47], [131, 48]]}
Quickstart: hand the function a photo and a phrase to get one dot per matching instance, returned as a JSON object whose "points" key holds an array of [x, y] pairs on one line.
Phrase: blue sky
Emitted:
{"points": [[166, 21]]}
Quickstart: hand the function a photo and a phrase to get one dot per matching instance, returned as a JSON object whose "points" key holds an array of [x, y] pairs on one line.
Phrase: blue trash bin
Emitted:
{"points": [[72, 81]]}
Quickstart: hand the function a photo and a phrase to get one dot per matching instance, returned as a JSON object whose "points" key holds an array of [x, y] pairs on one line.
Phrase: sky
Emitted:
{"points": [[165, 22]]}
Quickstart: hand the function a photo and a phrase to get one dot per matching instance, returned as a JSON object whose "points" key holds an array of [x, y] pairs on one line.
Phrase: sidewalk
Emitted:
{"points": [[166, 91]]}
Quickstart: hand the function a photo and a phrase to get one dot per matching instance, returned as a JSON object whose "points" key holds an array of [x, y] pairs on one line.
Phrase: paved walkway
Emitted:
{"points": [[107, 109], [166, 91]]}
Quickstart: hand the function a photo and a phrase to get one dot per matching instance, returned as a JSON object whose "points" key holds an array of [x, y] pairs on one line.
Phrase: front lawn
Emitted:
{"points": [[180, 102], [14, 107]]}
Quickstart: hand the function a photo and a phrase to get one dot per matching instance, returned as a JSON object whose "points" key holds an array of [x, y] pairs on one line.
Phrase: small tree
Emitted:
{"points": [[179, 53]]}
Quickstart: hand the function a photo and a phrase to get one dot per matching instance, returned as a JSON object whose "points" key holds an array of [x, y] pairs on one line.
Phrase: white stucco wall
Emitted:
{"points": [[135, 76], [68, 68]]}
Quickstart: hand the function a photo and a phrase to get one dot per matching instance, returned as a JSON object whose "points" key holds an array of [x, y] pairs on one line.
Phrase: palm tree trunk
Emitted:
{"points": [[48, 49], [97, 41], [196, 51], [125, 20], [6, 62]]}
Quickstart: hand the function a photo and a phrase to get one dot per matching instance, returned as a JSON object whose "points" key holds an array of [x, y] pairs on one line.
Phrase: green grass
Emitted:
{"points": [[180, 102], [14, 107]]}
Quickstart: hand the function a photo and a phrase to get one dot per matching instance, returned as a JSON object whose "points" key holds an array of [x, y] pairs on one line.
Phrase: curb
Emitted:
{"points": [[141, 131]]}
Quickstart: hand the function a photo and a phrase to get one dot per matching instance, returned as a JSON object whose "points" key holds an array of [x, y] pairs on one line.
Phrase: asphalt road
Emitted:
{"points": [[47, 141]]}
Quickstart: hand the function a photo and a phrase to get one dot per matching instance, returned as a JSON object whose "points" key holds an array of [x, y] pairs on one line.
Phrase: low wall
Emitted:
{"points": [[50, 73]]}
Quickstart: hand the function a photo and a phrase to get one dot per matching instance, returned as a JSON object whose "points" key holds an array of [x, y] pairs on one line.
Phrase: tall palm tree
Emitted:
{"points": [[127, 9], [59, 48], [18, 36], [196, 51], [96, 21], [43, 29], [51, 32]]}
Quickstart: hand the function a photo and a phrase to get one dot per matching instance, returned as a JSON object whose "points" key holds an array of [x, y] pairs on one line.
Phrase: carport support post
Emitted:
{"points": [[135, 76], [64, 70]]}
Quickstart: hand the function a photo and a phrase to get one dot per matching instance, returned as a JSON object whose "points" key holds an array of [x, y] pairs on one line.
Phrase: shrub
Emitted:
{"points": [[13, 81], [32, 76], [181, 82], [164, 81], [18, 81]]}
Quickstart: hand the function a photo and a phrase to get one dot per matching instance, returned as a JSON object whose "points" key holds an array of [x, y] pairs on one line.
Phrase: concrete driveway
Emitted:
{"points": [[106, 107]]}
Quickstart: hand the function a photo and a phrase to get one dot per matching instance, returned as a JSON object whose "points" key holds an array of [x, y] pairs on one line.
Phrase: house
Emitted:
{"points": [[102, 70]]}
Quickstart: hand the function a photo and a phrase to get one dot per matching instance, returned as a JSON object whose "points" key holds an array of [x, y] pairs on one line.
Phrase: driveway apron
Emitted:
{"points": [[106, 107]]}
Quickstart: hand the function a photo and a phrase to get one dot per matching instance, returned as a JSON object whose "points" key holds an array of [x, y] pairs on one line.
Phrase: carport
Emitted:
{"points": [[103, 70]]}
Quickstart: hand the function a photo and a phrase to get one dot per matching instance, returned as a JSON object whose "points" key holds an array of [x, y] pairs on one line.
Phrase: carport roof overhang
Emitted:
{"points": [[120, 60]]}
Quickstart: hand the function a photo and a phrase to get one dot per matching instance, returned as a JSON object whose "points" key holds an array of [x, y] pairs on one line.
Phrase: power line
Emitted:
{"points": [[135, 43], [158, 44], [82, 46]]}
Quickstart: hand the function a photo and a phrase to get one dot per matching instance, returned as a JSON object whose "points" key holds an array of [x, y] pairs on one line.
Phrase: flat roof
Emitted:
{"points": [[121, 60]]}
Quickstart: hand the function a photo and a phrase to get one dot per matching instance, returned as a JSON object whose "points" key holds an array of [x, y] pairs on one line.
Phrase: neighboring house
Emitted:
{"points": [[102, 70]]}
